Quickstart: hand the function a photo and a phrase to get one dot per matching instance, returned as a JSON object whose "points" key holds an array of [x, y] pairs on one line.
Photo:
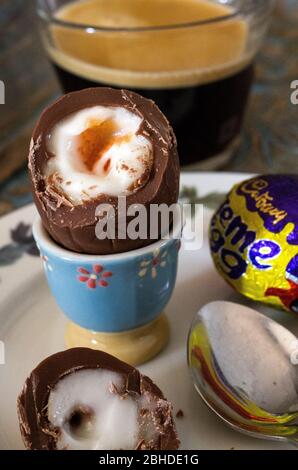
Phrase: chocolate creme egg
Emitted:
{"points": [[82, 399], [92, 147], [254, 239]]}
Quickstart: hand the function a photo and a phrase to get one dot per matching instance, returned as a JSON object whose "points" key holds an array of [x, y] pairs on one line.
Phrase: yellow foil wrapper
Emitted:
{"points": [[254, 239]]}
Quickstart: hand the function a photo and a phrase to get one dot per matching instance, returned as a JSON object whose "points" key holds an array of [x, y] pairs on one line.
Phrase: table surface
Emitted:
{"points": [[270, 134]]}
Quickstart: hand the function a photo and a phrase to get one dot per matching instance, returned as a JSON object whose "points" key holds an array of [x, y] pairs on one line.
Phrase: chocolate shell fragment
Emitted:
{"points": [[153, 161], [86, 399]]}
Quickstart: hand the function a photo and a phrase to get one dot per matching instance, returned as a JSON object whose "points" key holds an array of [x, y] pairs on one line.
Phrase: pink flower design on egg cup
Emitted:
{"points": [[98, 277]]}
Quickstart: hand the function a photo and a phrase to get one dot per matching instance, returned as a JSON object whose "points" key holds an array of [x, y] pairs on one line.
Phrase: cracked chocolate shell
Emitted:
{"points": [[86, 399], [91, 147]]}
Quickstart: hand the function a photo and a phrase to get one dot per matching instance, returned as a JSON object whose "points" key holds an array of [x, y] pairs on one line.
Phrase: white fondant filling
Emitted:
{"points": [[119, 170], [114, 422]]}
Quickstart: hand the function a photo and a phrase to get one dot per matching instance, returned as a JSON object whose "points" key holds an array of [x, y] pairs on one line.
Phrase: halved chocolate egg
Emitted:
{"points": [[86, 399], [92, 147]]}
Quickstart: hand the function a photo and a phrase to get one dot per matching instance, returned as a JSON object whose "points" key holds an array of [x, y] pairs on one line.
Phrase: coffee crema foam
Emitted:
{"points": [[147, 59], [98, 151]]}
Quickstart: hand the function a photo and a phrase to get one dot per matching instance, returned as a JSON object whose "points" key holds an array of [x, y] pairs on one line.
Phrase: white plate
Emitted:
{"points": [[32, 327]]}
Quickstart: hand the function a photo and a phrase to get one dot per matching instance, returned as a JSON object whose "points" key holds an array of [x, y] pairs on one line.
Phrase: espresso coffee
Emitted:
{"points": [[199, 76]]}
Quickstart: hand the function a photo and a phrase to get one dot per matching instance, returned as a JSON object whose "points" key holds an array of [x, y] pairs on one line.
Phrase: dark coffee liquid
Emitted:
{"points": [[206, 118]]}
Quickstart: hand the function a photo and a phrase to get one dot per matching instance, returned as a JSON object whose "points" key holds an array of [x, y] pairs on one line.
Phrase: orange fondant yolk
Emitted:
{"points": [[95, 141]]}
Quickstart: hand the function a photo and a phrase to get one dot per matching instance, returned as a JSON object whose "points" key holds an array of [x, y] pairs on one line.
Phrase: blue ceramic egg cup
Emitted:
{"points": [[114, 302]]}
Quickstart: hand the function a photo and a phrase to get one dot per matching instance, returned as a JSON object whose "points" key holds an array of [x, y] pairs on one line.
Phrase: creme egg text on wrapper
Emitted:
{"points": [[96, 151], [254, 239]]}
